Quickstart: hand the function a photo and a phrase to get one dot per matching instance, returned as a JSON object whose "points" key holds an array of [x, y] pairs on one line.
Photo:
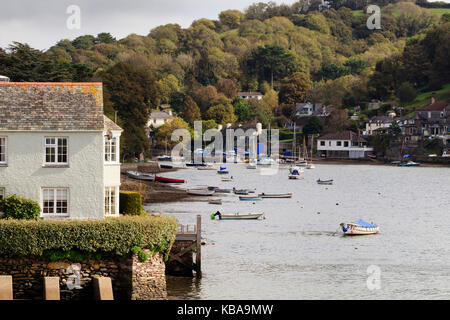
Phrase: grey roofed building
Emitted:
{"points": [[31, 106]]}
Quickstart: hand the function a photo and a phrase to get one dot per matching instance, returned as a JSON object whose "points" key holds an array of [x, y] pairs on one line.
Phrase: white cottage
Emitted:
{"points": [[346, 144], [57, 148]]}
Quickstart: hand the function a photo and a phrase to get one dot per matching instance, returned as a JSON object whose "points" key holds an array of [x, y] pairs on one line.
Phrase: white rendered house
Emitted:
{"points": [[58, 149], [346, 144]]}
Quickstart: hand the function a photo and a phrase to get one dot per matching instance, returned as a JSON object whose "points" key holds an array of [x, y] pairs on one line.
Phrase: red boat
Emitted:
{"points": [[168, 180]]}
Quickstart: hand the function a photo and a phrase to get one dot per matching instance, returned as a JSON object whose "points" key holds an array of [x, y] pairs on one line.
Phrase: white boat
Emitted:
{"points": [[227, 179], [141, 176], [251, 165], [275, 195], [359, 227], [266, 161], [200, 192], [295, 173], [236, 216]]}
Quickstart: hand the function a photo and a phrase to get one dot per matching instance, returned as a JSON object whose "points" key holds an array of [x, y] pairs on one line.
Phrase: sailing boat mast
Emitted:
{"points": [[294, 143]]}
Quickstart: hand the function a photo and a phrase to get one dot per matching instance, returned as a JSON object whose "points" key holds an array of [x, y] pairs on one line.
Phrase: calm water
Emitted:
{"points": [[295, 253]]}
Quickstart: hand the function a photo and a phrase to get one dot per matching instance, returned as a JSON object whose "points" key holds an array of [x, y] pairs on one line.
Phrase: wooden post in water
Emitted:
{"points": [[198, 252]]}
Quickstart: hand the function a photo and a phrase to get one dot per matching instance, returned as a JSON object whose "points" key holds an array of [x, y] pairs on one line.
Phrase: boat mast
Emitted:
{"points": [[294, 143]]}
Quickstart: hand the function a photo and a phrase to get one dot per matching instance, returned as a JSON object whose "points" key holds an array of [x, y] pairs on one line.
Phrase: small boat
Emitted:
{"points": [[220, 190], [325, 181], [168, 180], [251, 165], [141, 176], [266, 161], [200, 192], [207, 167], [227, 179], [212, 188], [222, 172], [237, 216], [164, 158], [359, 227], [275, 195], [295, 172], [408, 164], [215, 201], [165, 166], [241, 191], [249, 198], [195, 164]]}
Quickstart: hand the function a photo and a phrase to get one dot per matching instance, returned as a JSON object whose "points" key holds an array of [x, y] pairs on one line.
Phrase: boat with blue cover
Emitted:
{"points": [[249, 198], [359, 227]]}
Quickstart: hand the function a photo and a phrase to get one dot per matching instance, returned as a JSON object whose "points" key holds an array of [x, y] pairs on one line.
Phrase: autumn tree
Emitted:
{"points": [[231, 18], [337, 121], [221, 113], [293, 89], [190, 111], [228, 87]]}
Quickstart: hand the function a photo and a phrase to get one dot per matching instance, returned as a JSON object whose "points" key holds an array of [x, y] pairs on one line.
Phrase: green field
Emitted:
{"points": [[442, 95], [440, 11]]}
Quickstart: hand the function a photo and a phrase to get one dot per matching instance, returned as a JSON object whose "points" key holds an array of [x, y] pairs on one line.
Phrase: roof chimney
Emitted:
{"points": [[432, 100], [4, 79]]}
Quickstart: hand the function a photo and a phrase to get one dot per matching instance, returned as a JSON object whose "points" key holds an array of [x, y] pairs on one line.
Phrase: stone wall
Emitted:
{"points": [[131, 279]]}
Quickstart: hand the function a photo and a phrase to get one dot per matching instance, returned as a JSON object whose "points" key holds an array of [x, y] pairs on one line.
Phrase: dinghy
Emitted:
{"points": [[275, 195], [249, 198], [227, 179], [359, 227], [141, 176], [220, 190], [241, 191], [215, 201], [325, 181], [295, 173], [200, 192], [236, 216], [168, 180], [222, 170], [408, 164]]}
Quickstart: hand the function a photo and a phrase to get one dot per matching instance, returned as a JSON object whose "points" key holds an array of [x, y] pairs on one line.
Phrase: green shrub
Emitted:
{"points": [[113, 235], [16, 207], [131, 203]]}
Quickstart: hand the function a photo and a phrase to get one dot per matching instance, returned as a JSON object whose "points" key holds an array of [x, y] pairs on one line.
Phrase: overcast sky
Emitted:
{"points": [[43, 23]]}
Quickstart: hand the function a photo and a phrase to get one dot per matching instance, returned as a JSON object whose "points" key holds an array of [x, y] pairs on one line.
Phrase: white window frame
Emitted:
{"points": [[55, 199], [55, 146], [112, 149], [109, 205], [5, 145]]}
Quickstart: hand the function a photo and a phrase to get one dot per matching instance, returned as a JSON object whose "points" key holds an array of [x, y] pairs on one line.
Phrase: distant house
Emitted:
{"points": [[58, 149], [304, 109], [378, 122], [346, 144], [374, 105], [159, 118], [250, 95]]}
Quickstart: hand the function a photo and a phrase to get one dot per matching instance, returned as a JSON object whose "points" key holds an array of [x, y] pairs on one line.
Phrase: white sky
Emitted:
{"points": [[43, 23]]}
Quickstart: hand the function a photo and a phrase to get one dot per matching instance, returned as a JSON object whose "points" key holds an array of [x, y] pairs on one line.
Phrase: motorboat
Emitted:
{"points": [[359, 227], [295, 173]]}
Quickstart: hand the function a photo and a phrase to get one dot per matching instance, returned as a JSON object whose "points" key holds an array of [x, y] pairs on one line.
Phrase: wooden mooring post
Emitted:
{"points": [[187, 242]]}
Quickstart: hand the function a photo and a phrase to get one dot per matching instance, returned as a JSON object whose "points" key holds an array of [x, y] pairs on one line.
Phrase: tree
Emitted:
{"points": [[242, 110], [231, 18], [132, 109], [313, 126], [337, 121], [166, 87], [85, 42], [228, 87], [221, 113], [105, 37], [293, 89], [190, 111], [164, 133], [272, 62], [205, 97], [406, 92]]}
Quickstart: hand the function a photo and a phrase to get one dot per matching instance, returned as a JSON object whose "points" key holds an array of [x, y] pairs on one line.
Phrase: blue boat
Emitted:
{"points": [[213, 188], [222, 172], [250, 198], [164, 158]]}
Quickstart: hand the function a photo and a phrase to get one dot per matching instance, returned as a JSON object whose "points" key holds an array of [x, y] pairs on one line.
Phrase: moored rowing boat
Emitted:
{"points": [[275, 195]]}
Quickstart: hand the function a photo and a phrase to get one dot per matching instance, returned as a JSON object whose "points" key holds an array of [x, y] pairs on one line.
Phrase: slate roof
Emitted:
{"points": [[436, 106], [344, 135], [110, 125], [160, 115], [50, 106]]}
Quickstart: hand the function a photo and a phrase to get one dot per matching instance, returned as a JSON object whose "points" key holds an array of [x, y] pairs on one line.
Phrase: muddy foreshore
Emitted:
{"points": [[152, 192]]}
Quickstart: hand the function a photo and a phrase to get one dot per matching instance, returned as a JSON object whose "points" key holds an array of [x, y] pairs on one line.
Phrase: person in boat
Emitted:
{"points": [[213, 215], [344, 228]]}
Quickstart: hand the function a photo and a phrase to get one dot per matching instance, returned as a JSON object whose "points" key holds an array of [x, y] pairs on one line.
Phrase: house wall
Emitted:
{"points": [[25, 174], [335, 151]]}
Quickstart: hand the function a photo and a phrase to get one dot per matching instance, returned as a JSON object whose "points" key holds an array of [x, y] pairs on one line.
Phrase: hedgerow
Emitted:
{"points": [[131, 203], [112, 235]]}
